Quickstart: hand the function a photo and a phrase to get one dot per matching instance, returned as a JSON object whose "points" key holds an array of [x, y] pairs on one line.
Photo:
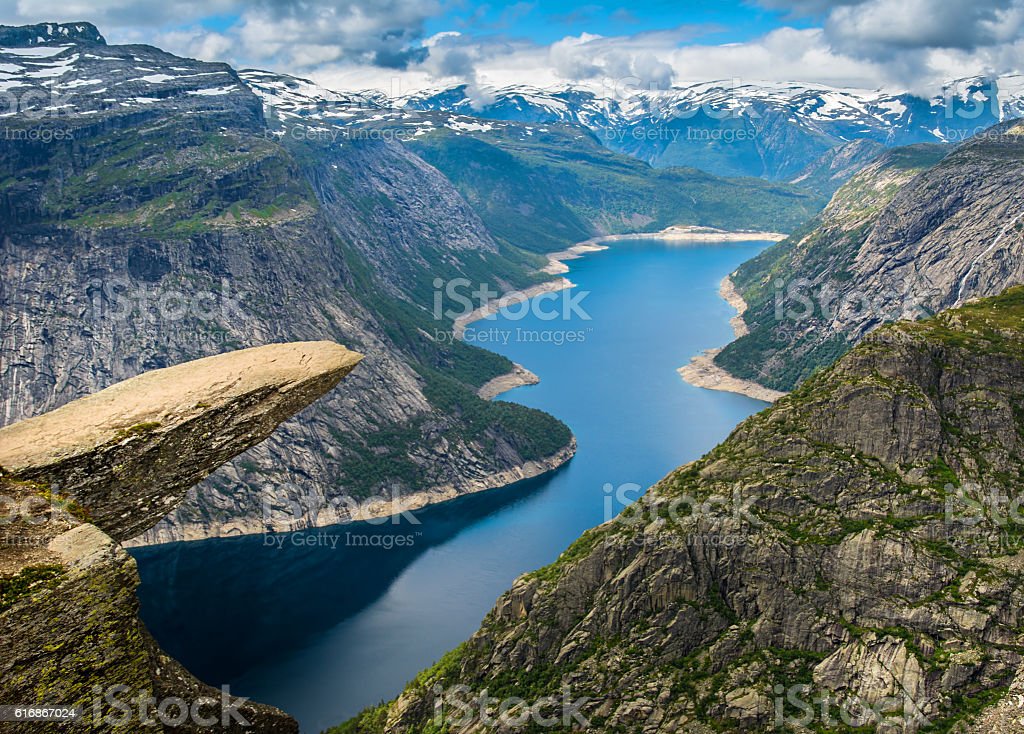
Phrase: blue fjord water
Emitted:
{"points": [[321, 628]]}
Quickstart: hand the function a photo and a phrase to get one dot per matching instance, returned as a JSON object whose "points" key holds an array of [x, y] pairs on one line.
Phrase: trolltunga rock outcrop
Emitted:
{"points": [[128, 454], [101, 469]]}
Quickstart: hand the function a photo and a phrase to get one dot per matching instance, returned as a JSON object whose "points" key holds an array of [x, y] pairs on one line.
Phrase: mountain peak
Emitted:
{"points": [[42, 34]]}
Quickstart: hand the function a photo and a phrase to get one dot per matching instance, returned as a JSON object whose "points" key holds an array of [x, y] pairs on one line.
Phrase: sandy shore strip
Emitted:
{"points": [[518, 377], [556, 260], [691, 233], [727, 290], [509, 299], [702, 370]]}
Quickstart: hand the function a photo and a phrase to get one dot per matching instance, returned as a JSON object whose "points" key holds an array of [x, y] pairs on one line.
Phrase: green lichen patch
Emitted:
{"points": [[27, 582], [139, 429]]}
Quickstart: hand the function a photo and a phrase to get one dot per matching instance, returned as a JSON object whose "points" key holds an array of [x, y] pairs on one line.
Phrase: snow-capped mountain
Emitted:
{"points": [[778, 131], [295, 97], [52, 70], [565, 104], [66, 73], [765, 129], [302, 100], [862, 110]]}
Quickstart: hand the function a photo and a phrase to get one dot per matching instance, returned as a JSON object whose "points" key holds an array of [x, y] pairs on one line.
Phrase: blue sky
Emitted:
{"points": [[906, 44], [547, 22]]}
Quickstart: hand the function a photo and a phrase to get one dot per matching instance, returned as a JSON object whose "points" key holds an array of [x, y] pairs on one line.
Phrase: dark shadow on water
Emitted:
{"points": [[207, 602]]}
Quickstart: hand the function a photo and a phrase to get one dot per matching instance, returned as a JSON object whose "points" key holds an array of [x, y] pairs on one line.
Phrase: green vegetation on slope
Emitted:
{"points": [[780, 352], [843, 551], [170, 179], [551, 189]]}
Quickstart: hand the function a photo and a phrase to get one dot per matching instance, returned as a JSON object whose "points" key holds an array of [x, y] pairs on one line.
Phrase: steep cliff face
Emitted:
{"points": [[838, 165], [102, 469], [908, 236], [165, 219], [854, 544]]}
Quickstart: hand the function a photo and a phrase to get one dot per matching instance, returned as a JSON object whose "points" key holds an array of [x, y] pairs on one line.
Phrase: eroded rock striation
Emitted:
{"points": [[915, 232], [159, 215], [101, 469], [850, 544]]}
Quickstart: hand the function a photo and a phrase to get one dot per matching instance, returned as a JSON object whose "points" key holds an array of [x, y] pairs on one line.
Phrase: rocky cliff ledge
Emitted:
{"points": [[848, 560], [99, 470], [129, 453]]}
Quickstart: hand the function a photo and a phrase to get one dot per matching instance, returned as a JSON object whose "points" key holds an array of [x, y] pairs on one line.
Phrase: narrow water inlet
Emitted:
{"points": [[323, 623]]}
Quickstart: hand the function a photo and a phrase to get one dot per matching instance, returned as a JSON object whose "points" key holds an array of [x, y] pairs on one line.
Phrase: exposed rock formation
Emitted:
{"points": [[104, 468], [129, 453], [169, 219], [838, 165], [518, 377], [851, 543], [908, 236]]}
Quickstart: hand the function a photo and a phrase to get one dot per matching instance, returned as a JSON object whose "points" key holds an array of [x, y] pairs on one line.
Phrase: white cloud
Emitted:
{"points": [[196, 43], [878, 26], [912, 44], [116, 19]]}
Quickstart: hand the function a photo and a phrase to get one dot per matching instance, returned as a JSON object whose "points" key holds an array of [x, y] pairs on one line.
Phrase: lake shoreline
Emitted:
{"points": [[518, 377], [702, 371], [691, 233], [376, 510], [702, 367]]}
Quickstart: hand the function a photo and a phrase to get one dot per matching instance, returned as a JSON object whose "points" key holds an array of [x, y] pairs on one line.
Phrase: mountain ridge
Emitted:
{"points": [[918, 230], [857, 571]]}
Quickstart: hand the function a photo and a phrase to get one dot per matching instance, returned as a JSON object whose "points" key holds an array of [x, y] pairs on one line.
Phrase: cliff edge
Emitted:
{"points": [[99, 470]]}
